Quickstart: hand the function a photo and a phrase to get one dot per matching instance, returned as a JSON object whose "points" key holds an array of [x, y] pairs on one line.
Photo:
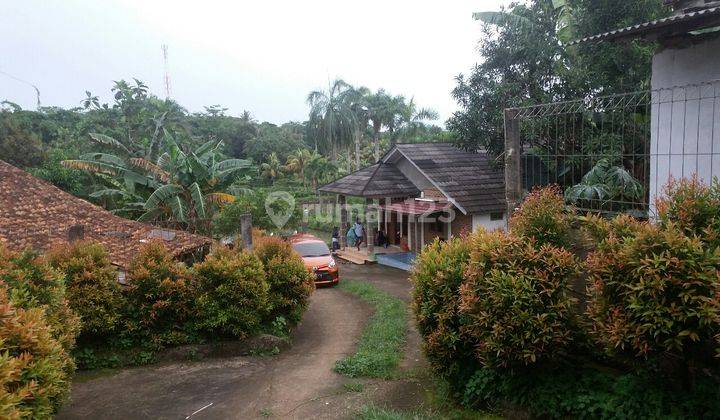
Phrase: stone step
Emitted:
{"points": [[352, 256]]}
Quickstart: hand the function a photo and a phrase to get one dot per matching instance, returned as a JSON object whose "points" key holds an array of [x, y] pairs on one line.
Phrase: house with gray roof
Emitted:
{"points": [[425, 191]]}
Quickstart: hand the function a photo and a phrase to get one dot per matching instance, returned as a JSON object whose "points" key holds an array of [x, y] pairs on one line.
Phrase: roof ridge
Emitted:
{"points": [[370, 178]]}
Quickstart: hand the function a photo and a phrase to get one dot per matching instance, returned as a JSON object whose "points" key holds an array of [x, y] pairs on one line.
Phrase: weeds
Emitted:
{"points": [[354, 387], [380, 347]]}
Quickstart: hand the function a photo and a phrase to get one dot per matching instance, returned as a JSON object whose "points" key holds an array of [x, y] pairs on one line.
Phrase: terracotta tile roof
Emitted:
{"points": [[35, 214]]}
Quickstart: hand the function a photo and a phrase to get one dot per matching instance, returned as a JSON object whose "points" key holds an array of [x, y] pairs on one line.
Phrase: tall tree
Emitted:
{"points": [[332, 121], [524, 62]]}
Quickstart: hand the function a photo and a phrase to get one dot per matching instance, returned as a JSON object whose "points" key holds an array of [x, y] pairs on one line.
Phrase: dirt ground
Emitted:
{"points": [[298, 383]]}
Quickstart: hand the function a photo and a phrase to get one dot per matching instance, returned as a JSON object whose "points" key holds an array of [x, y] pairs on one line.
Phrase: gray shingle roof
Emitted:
{"points": [[379, 180], [470, 179]]}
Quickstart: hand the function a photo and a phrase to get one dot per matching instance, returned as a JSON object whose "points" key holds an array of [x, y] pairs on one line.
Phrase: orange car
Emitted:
{"points": [[317, 258]]}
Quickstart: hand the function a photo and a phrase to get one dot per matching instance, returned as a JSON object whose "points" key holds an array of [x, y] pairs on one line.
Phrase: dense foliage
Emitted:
{"points": [[524, 62], [34, 366], [291, 284], [438, 273], [33, 283], [161, 298], [654, 292], [543, 218], [498, 321], [692, 207], [233, 297], [92, 289], [515, 301]]}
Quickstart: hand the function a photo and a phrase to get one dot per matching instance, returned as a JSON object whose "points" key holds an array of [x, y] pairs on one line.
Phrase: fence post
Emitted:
{"points": [[370, 234], [246, 231], [513, 152], [342, 203]]}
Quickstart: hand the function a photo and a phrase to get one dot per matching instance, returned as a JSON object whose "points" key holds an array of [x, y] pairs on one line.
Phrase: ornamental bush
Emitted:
{"points": [[290, 282], [437, 275], [32, 283], [92, 288], [233, 294], [543, 217], [161, 298], [34, 367], [654, 290], [515, 302], [693, 207]]}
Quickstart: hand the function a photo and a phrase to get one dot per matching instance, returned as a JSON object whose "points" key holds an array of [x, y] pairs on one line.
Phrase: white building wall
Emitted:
{"points": [[685, 125], [489, 225]]}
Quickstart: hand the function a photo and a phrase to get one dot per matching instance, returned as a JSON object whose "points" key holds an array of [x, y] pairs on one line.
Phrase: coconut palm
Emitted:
{"points": [[380, 113], [357, 100], [332, 120]]}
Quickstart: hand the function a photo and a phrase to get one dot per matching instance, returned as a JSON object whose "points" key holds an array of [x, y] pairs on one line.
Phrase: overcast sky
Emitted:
{"points": [[263, 56]]}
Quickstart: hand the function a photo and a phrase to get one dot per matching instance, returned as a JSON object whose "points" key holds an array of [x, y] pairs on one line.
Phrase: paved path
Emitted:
{"points": [[299, 383]]}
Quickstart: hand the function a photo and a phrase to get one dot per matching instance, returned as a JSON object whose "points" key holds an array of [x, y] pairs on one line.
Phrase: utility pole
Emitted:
{"points": [[167, 71]]}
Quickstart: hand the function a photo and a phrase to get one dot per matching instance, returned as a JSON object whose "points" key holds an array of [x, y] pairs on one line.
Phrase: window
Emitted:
{"points": [[498, 215]]}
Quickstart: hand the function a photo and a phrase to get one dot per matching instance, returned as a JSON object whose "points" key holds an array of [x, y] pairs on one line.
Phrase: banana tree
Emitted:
{"points": [[178, 187], [197, 183], [605, 186]]}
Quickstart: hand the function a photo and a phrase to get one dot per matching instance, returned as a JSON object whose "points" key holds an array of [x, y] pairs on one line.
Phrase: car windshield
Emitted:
{"points": [[312, 249]]}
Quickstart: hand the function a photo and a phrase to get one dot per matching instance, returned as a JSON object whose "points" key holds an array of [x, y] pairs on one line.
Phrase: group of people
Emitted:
{"points": [[355, 237]]}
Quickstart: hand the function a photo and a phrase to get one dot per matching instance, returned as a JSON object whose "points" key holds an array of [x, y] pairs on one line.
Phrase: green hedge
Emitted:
{"points": [[499, 323]]}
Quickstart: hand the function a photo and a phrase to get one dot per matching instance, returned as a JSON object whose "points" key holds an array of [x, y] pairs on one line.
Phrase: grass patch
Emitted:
{"points": [[381, 345], [373, 412]]}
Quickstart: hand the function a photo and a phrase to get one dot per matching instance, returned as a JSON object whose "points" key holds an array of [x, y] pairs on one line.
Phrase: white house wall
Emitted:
{"points": [[483, 220], [685, 125]]}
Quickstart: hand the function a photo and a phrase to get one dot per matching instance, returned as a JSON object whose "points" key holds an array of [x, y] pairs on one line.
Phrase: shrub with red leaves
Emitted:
{"points": [[543, 217], [515, 302], [654, 290]]}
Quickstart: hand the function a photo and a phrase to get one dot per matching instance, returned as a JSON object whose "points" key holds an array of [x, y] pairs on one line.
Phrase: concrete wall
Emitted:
{"points": [[685, 125], [489, 225]]}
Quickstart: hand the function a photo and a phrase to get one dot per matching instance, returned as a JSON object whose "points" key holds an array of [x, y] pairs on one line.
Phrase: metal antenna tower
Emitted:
{"points": [[167, 71]]}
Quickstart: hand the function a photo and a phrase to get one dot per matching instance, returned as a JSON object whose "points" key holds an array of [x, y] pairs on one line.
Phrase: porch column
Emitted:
{"points": [[422, 233], [341, 202], [369, 226]]}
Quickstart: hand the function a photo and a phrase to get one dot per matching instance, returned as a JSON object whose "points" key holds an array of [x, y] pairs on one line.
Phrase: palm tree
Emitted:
{"points": [[409, 118], [357, 100], [331, 118], [379, 114], [272, 169], [297, 163], [90, 101]]}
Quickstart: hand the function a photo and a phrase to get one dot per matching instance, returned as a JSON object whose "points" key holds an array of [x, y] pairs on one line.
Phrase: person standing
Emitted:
{"points": [[335, 238], [358, 228]]}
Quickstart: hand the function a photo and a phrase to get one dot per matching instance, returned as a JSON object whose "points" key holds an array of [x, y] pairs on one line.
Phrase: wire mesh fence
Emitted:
{"points": [[615, 153]]}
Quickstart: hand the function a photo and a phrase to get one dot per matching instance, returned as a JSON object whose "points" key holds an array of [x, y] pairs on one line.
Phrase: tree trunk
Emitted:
{"points": [[357, 150], [377, 125]]}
